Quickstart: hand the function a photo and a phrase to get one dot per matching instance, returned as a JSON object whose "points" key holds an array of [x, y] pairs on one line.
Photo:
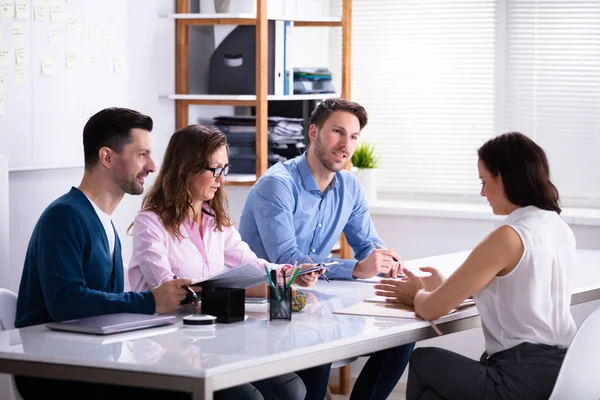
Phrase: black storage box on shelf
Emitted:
{"points": [[285, 140]]}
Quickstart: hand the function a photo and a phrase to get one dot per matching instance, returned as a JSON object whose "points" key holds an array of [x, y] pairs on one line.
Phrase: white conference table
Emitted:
{"points": [[203, 361]]}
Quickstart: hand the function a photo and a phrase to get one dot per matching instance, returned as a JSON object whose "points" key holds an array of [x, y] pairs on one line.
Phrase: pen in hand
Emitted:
{"points": [[189, 290], [378, 247], [323, 274]]}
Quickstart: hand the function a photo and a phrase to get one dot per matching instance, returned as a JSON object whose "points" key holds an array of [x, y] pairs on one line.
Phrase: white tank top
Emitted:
{"points": [[533, 302]]}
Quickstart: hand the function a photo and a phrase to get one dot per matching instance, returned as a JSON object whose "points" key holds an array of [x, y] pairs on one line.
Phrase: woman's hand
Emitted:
{"points": [[398, 291], [403, 291], [433, 280], [309, 279]]}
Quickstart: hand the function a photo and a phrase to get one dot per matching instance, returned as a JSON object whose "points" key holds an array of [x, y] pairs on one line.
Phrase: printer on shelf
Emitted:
{"points": [[312, 81], [285, 140]]}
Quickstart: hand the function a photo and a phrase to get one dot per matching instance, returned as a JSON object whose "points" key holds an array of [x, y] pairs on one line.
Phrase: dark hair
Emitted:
{"points": [[111, 128], [329, 106], [523, 167], [187, 155]]}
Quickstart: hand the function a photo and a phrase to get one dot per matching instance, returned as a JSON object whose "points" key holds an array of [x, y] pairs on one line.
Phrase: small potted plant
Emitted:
{"points": [[364, 165]]}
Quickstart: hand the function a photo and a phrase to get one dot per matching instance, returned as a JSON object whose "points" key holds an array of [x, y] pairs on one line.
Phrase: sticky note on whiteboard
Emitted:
{"points": [[72, 22], [17, 35], [7, 9], [1, 107], [94, 61], [22, 9], [94, 32], [21, 74], [54, 34], [22, 55], [3, 56], [47, 66], [56, 12], [2, 82], [40, 11], [119, 66], [71, 60]]}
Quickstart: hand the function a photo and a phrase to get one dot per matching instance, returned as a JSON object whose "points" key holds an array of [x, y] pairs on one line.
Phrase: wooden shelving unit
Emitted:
{"points": [[184, 19]]}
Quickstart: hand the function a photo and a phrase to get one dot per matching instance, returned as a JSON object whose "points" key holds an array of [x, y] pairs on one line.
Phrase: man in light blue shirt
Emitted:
{"points": [[299, 208]]}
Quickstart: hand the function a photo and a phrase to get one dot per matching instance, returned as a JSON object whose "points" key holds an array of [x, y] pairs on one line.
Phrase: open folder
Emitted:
{"points": [[241, 277]]}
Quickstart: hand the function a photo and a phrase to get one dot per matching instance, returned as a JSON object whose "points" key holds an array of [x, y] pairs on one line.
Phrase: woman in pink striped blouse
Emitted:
{"points": [[184, 229]]}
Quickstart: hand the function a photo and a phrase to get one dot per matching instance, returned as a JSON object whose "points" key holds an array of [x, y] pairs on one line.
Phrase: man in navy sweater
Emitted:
{"points": [[73, 266]]}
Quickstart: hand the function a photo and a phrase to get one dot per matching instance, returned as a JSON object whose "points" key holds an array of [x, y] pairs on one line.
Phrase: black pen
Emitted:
{"points": [[188, 289]]}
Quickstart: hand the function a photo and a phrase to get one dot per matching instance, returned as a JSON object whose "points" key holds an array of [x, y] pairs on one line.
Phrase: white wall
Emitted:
{"points": [[151, 65]]}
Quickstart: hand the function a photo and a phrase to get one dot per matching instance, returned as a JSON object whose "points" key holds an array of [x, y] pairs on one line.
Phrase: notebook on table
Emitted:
{"points": [[112, 323]]}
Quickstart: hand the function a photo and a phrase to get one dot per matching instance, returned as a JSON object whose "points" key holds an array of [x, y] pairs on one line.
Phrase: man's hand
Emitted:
{"points": [[379, 261], [309, 279], [169, 294]]}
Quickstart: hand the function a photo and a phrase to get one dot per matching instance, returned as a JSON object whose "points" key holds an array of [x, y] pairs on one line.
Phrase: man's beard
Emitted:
{"points": [[322, 157], [129, 185]]}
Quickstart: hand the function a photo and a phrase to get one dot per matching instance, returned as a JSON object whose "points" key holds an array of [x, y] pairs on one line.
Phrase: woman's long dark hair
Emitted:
{"points": [[524, 169], [187, 155]]}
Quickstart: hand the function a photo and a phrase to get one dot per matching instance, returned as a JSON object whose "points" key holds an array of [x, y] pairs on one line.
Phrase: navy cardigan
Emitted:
{"points": [[68, 271]]}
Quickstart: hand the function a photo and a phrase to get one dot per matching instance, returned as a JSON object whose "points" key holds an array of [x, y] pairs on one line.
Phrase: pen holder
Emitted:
{"points": [[227, 304], [280, 307]]}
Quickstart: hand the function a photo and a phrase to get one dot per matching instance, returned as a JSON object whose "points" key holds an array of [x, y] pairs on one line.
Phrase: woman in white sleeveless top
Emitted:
{"points": [[520, 278]]}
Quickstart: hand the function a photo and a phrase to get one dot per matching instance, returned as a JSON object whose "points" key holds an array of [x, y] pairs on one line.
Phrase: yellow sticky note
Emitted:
{"points": [[119, 66], [21, 74], [94, 31], [2, 82], [71, 60], [72, 22], [40, 11], [3, 56], [7, 9], [17, 35], [47, 66], [2, 107], [54, 34], [94, 61], [22, 55], [22, 8], [56, 12]]}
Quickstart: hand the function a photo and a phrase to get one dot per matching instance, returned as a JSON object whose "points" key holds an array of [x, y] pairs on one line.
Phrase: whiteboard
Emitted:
{"points": [[73, 54], [4, 269]]}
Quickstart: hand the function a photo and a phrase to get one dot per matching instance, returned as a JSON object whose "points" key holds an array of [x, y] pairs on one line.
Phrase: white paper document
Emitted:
{"points": [[242, 277]]}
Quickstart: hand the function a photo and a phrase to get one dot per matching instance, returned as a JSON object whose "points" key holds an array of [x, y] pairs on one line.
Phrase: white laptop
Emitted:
{"points": [[112, 323]]}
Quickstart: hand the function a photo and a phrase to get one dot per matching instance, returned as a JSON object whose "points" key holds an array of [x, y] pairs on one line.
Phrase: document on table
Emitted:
{"points": [[241, 277], [378, 278], [378, 307]]}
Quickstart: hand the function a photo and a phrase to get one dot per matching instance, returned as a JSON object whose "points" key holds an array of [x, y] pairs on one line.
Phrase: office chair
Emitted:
{"points": [[8, 309], [578, 376]]}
